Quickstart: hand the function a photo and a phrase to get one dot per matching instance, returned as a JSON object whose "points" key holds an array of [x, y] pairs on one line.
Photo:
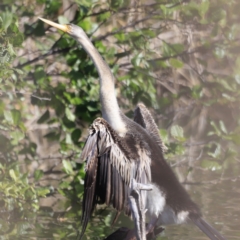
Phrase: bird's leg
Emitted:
{"points": [[137, 215], [138, 208]]}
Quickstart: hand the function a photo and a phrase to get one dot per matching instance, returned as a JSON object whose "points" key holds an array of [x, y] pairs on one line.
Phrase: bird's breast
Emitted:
{"points": [[157, 208]]}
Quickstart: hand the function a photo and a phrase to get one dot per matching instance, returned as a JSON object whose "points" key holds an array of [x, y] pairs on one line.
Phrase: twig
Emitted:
{"points": [[41, 98], [49, 53]]}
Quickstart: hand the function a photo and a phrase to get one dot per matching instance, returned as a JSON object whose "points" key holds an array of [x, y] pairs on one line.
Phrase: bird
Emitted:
{"points": [[119, 149]]}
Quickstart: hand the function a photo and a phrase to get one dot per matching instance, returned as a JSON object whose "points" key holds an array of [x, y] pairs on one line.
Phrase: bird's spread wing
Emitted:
{"points": [[110, 165], [143, 117]]}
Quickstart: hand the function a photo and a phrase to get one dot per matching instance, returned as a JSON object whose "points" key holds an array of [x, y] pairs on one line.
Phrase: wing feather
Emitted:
{"points": [[110, 165], [108, 183], [89, 186], [89, 145], [115, 187], [121, 193], [102, 178], [143, 117]]}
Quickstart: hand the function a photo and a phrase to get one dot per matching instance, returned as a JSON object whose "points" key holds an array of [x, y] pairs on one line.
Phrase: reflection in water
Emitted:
{"points": [[219, 202]]}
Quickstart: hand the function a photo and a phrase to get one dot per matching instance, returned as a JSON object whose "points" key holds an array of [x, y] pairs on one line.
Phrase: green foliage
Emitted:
{"points": [[16, 191], [177, 133], [18, 195]]}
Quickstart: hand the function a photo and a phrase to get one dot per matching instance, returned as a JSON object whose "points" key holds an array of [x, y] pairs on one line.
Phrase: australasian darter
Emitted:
{"points": [[119, 149]]}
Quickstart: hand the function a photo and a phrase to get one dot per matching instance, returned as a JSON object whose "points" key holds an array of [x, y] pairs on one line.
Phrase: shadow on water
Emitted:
{"points": [[218, 196]]}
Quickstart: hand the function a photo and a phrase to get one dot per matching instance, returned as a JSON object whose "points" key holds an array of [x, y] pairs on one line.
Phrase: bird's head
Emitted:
{"points": [[71, 29]]}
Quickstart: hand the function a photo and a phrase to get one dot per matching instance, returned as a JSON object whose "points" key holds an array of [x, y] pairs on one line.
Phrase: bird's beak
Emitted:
{"points": [[64, 28]]}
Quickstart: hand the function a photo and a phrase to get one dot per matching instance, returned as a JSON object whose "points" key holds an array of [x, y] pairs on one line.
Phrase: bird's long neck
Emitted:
{"points": [[110, 109]]}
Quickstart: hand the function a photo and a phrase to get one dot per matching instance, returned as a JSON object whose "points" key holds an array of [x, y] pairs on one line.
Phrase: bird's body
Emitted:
{"points": [[119, 149]]}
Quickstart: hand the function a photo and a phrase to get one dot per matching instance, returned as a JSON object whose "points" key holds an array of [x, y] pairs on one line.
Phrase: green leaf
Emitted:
{"points": [[228, 97], [11, 50], [22, 126], [6, 19], [115, 4], [44, 117], [63, 20], [212, 165], [53, 136], [76, 134], [177, 133], [19, 71], [40, 74], [235, 138], [216, 153], [12, 175], [204, 6], [164, 135], [24, 179], [64, 184], [120, 36], [38, 174], [222, 126], [217, 131], [68, 139], [76, 101], [69, 114], [67, 166], [43, 191], [218, 14], [17, 136], [16, 116], [177, 48], [176, 63], [8, 116]]}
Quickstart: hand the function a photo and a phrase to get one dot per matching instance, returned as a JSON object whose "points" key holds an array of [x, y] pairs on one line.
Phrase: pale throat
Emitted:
{"points": [[111, 113], [110, 109]]}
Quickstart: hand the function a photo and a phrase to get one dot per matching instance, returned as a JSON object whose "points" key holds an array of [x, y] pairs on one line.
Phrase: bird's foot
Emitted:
{"points": [[138, 210]]}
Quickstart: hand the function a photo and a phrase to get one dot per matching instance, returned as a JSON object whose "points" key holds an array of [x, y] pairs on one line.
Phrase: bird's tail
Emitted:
{"points": [[204, 226]]}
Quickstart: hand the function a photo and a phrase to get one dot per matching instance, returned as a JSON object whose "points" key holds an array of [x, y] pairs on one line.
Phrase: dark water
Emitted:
{"points": [[216, 193]]}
